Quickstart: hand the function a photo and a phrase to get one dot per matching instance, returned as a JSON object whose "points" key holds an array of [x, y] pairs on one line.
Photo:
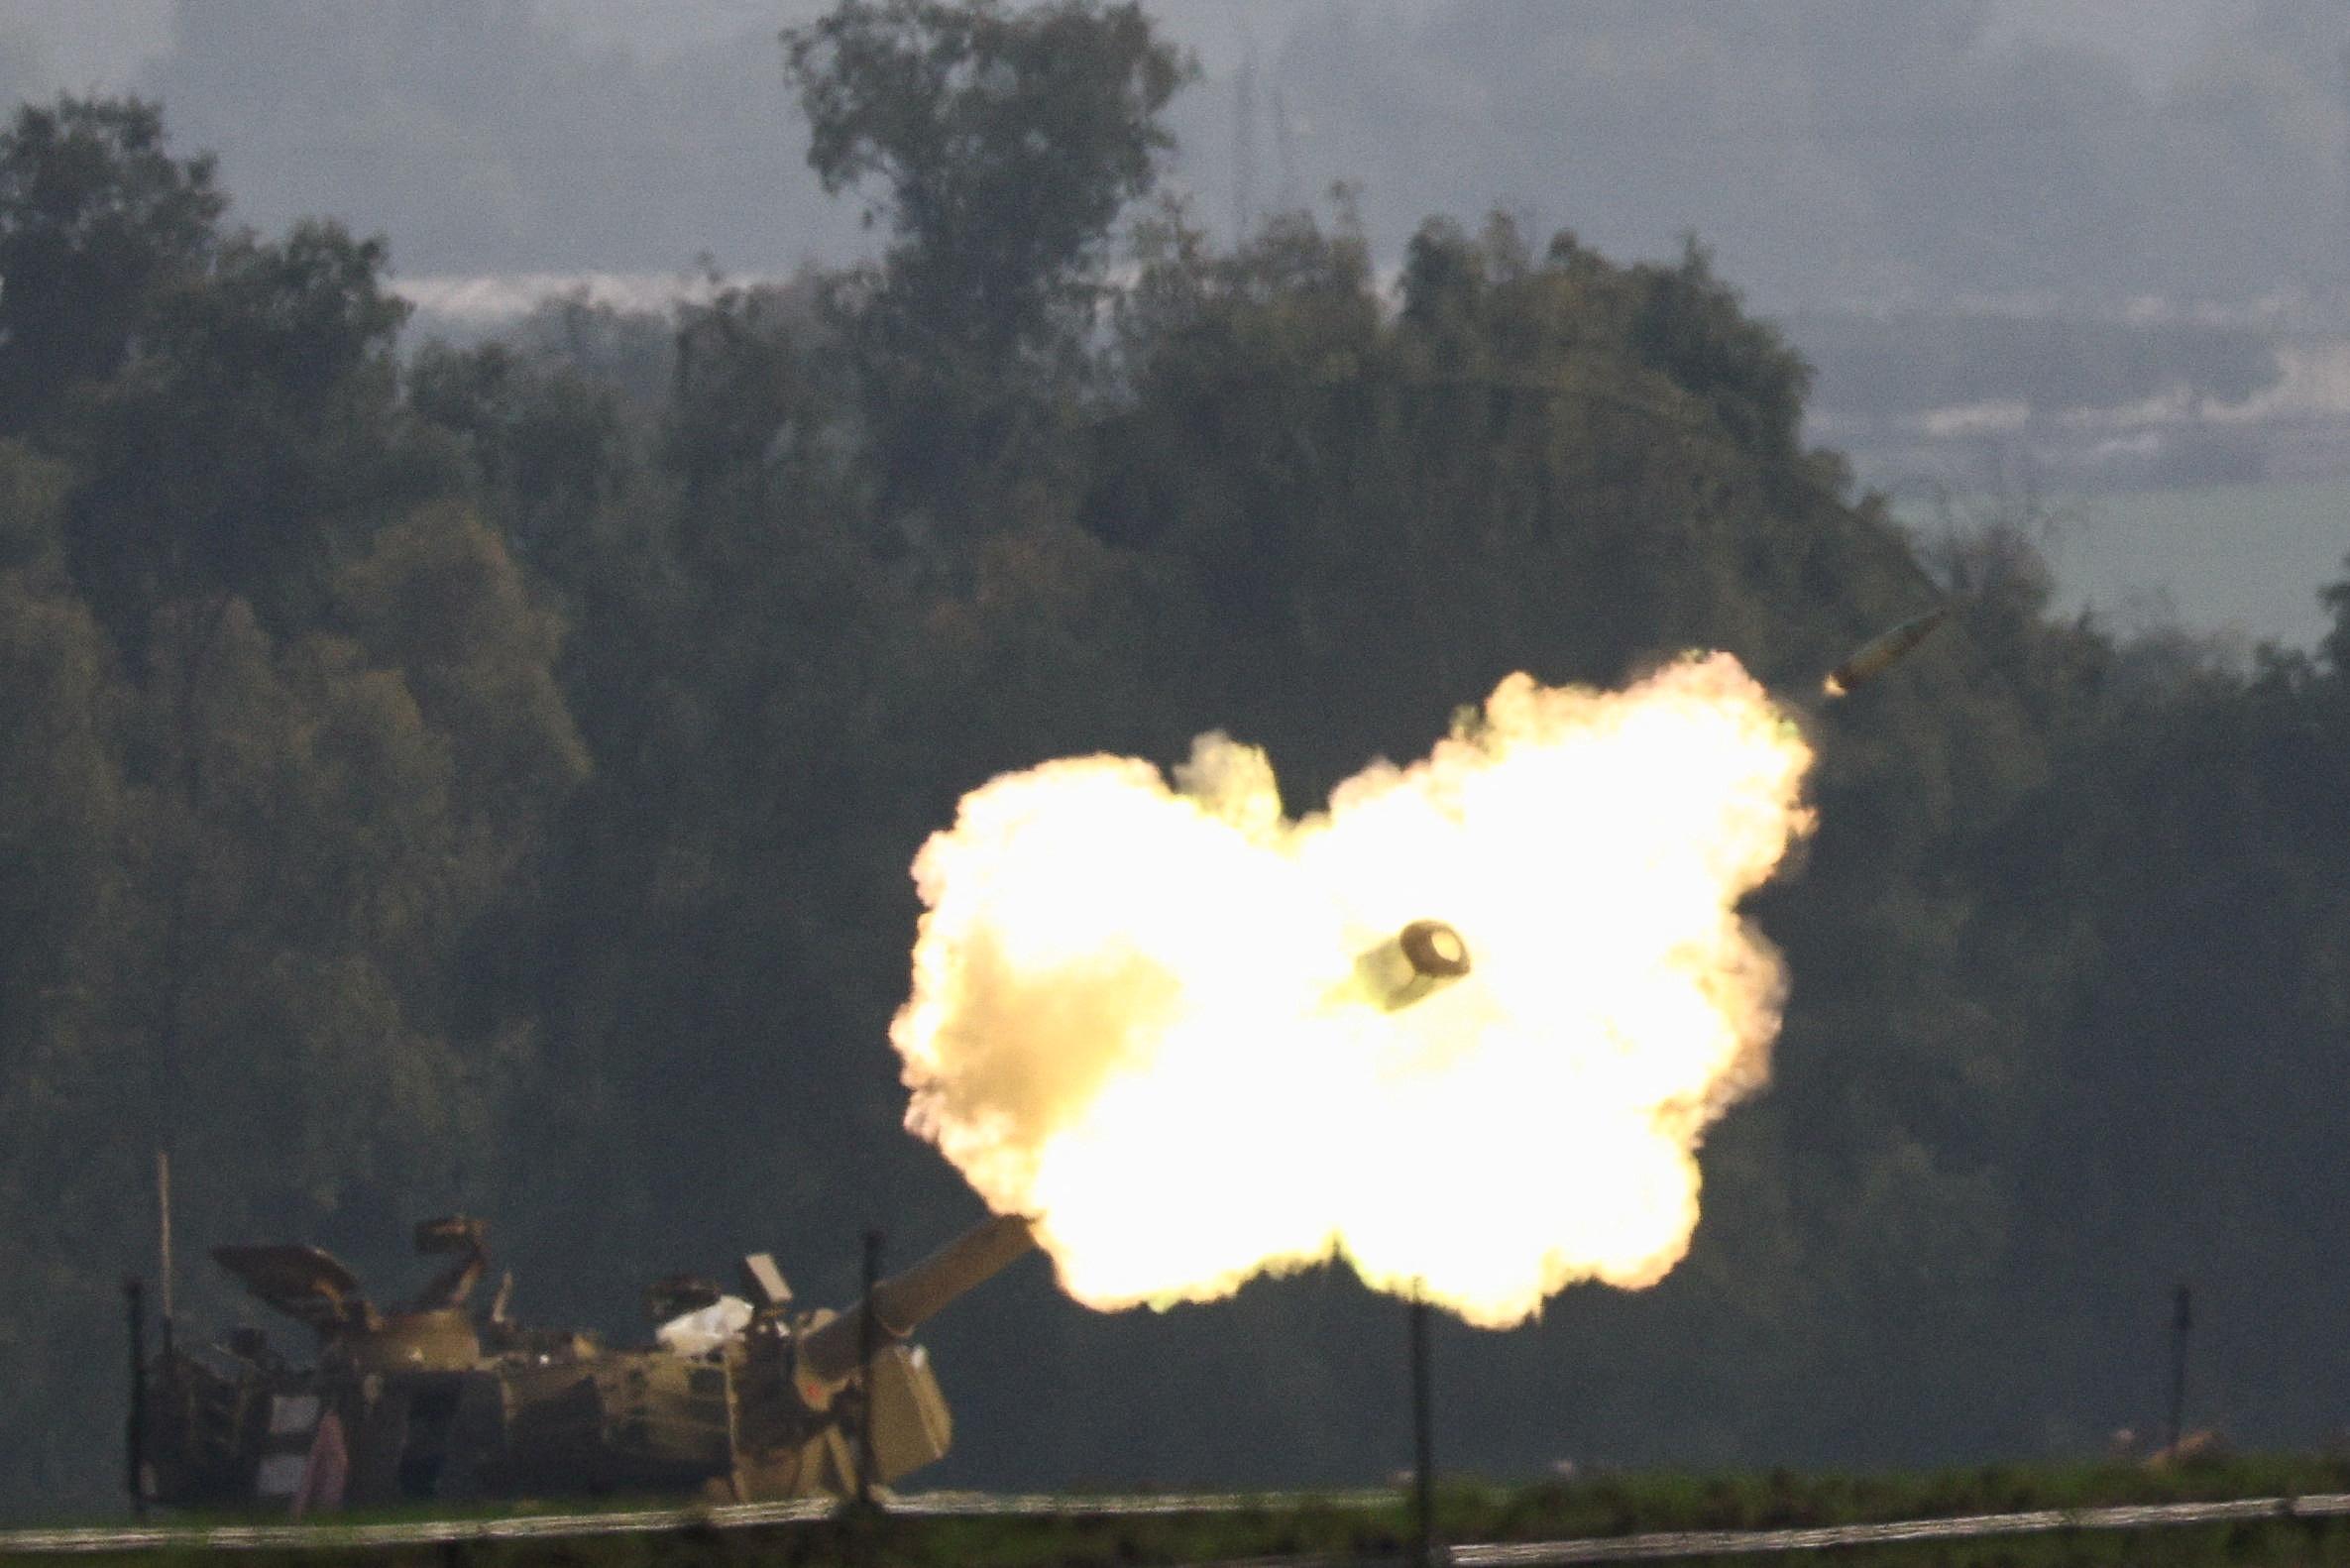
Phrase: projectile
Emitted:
{"points": [[1878, 655], [1419, 958]]}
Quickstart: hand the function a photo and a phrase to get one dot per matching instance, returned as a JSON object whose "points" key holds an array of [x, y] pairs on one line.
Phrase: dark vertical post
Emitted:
{"points": [[2183, 1322], [868, 1345], [1423, 1434], [134, 1294], [163, 1214]]}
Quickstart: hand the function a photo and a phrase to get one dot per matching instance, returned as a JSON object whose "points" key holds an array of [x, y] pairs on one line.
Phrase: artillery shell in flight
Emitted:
{"points": [[1419, 958], [1879, 654]]}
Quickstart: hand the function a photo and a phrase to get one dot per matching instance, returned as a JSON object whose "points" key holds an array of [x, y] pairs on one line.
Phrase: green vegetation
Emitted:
{"points": [[1296, 1525], [475, 781]]}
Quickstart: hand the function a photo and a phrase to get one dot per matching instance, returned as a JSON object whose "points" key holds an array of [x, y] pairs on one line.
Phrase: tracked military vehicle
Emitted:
{"points": [[736, 1398]]}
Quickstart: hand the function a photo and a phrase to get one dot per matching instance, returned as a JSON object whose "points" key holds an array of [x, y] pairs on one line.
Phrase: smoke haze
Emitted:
{"points": [[1834, 152]]}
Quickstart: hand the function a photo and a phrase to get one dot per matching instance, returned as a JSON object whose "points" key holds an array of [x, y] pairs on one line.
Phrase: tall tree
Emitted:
{"points": [[65, 895], [252, 441], [1006, 142], [96, 217], [1000, 147]]}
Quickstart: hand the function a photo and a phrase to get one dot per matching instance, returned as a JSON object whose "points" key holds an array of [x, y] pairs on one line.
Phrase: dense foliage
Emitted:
{"points": [[479, 781]]}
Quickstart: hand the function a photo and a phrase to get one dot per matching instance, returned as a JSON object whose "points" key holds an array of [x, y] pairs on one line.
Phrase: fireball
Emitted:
{"points": [[1147, 1013]]}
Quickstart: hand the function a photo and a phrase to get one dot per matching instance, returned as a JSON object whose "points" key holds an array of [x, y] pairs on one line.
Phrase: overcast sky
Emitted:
{"points": [[638, 135], [2105, 156], [104, 43]]}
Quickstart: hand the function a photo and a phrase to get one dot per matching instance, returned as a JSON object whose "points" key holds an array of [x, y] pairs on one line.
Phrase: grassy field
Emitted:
{"points": [[1602, 1506]]}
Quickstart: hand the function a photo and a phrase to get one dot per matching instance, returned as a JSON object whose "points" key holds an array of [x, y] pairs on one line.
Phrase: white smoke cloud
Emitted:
{"points": [[1135, 1016]]}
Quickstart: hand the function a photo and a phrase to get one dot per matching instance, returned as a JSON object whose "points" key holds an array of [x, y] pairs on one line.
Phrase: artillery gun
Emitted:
{"points": [[739, 1399]]}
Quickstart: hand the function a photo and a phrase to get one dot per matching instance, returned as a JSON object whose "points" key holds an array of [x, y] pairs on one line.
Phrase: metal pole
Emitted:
{"points": [[1423, 1434], [2183, 1322], [134, 1293], [162, 1209], [868, 1346]]}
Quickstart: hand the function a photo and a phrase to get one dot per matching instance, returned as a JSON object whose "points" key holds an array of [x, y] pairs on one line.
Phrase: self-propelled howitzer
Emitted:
{"points": [[740, 1397]]}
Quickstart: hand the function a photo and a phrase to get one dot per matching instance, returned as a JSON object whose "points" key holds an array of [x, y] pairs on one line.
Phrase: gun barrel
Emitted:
{"points": [[902, 1302]]}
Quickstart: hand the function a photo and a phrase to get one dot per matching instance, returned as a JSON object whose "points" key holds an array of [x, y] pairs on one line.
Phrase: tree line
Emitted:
{"points": [[486, 778]]}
